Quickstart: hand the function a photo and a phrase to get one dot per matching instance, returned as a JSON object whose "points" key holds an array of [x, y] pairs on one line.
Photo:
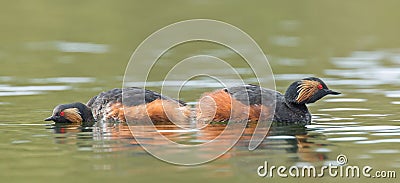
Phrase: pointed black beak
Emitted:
{"points": [[331, 92], [51, 118]]}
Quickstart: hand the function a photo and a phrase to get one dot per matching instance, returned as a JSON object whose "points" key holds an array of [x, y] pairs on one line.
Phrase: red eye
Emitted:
{"points": [[320, 86], [62, 113]]}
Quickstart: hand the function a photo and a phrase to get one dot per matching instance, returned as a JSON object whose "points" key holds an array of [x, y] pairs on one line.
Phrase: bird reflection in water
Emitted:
{"points": [[115, 137]]}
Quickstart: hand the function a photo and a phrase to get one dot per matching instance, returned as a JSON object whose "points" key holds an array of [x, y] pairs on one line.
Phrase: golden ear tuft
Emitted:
{"points": [[306, 90], [73, 115]]}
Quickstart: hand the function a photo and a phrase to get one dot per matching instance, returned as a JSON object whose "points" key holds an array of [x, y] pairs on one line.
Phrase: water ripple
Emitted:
{"points": [[6, 90], [385, 151], [376, 128], [365, 68], [290, 77], [371, 115], [21, 141], [344, 109], [6, 78], [379, 141], [347, 139], [33, 88], [386, 134], [392, 94], [346, 133], [286, 41], [19, 93], [63, 80], [281, 137], [345, 100], [70, 47]]}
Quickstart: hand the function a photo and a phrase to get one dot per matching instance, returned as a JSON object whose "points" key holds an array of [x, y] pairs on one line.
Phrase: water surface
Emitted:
{"points": [[63, 52]]}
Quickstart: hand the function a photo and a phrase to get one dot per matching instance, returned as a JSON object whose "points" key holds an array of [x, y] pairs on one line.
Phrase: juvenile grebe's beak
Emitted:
{"points": [[331, 92], [49, 118]]}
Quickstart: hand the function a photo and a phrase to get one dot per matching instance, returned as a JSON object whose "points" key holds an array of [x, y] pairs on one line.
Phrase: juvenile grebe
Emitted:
{"points": [[140, 104]]}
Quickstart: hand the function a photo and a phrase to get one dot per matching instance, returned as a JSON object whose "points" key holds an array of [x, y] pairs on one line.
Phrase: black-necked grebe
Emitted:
{"points": [[244, 102], [139, 104]]}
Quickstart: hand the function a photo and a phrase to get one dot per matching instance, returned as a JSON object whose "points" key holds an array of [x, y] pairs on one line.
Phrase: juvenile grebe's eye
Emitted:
{"points": [[62, 113], [320, 87]]}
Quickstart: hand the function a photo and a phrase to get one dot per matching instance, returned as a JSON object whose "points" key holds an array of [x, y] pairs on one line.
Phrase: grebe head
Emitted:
{"points": [[307, 90], [71, 113]]}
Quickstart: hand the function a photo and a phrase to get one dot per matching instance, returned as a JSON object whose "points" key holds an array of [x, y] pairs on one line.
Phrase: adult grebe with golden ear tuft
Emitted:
{"points": [[249, 100]]}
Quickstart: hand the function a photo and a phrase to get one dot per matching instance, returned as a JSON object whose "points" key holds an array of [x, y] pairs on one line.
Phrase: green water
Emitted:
{"points": [[54, 52]]}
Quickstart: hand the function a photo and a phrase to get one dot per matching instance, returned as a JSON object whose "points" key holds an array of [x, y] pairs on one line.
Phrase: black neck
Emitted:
{"points": [[295, 105]]}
